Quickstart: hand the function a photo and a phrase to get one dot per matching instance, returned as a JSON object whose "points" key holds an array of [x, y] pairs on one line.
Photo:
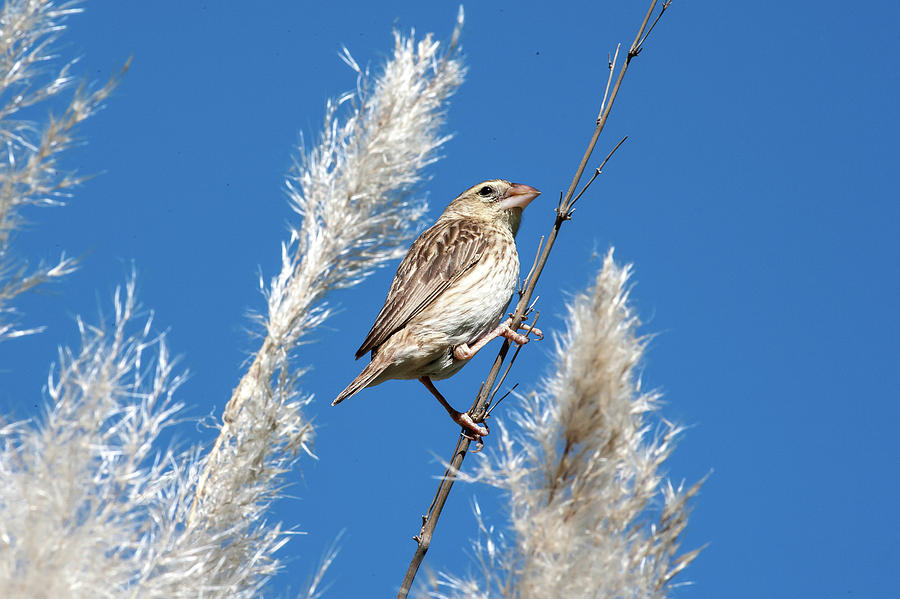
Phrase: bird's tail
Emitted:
{"points": [[363, 380]]}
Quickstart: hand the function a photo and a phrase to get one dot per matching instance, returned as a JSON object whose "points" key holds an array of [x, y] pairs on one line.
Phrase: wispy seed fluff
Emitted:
{"points": [[591, 514], [91, 505], [356, 191], [30, 169]]}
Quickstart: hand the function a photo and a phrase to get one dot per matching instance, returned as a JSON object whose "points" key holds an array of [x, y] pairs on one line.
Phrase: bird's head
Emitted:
{"points": [[496, 200]]}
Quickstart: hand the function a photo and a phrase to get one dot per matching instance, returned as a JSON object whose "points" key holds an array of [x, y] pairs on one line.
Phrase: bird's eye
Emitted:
{"points": [[485, 191]]}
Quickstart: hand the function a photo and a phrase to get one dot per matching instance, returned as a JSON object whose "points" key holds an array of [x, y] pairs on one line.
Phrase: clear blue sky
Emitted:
{"points": [[757, 197]]}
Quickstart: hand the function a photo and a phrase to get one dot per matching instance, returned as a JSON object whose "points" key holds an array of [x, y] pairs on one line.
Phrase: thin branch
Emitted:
{"points": [[597, 172], [502, 378], [612, 69], [533, 266], [479, 406], [662, 10], [608, 156], [509, 367], [502, 397]]}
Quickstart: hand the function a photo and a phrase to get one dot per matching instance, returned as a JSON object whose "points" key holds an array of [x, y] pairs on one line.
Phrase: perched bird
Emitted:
{"points": [[449, 294]]}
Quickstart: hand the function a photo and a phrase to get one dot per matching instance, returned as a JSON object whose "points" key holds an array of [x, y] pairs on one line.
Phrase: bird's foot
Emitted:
{"points": [[519, 338], [538, 334], [473, 430], [470, 428], [479, 441], [463, 351]]}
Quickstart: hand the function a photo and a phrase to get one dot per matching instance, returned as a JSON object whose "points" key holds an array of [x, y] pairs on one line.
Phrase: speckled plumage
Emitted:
{"points": [[451, 290]]}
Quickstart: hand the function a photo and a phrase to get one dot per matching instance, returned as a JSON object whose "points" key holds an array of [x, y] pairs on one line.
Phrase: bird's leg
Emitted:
{"points": [[461, 418], [465, 351]]}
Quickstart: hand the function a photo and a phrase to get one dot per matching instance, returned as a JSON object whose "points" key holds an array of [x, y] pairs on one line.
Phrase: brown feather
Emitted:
{"points": [[450, 292], [435, 261], [362, 380]]}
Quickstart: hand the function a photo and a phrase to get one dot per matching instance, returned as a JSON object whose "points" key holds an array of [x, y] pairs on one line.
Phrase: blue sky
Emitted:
{"points": [[756, 197]]}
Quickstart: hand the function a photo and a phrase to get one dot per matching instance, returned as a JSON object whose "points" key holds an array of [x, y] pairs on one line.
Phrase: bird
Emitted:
{"points": [[449, 295]]}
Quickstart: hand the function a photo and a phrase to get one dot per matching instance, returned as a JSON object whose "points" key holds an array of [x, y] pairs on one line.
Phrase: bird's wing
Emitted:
{"points": [[438, 258]]}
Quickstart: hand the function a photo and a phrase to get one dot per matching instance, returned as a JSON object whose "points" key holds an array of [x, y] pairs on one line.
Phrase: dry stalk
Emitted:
{"points": [[563, 213]]}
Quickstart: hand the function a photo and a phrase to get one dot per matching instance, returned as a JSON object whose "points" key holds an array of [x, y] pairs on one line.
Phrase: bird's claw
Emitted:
{"points": [[479, 441], [538, 334], [472, 431]]}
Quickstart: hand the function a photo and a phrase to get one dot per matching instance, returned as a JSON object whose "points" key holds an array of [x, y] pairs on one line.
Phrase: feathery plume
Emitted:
{"points": [[89, 508], [29, 173], [584, 477], [356, 191]]}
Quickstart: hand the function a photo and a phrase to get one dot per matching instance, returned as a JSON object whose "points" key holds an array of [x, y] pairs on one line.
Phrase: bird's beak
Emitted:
{"points": [[518, 196]]}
